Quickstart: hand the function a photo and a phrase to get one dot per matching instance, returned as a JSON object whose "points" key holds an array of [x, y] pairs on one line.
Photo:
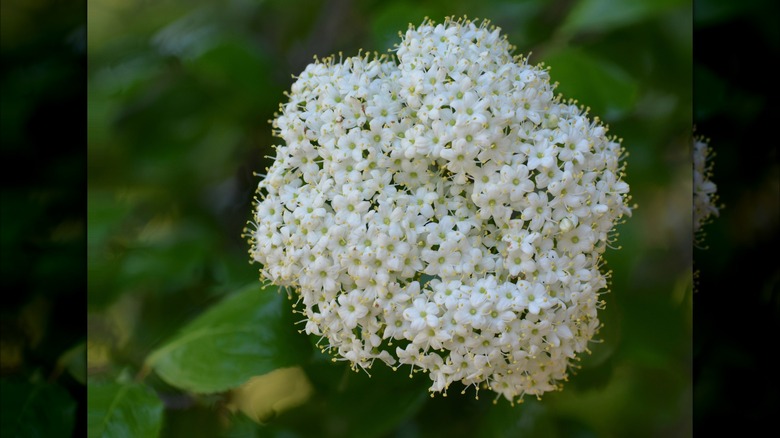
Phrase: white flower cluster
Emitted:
{"points": [[705, 198], [445, 211]]}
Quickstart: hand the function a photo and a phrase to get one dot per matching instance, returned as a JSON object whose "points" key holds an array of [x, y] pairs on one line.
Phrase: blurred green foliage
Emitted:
{"points": [[180, 94]]}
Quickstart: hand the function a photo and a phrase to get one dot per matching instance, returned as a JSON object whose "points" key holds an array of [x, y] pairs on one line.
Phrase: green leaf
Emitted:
{"points": [[601, 15], [263, 398], [249, 333], [35, 410], [123, 410], [75, 362], [597, 83]]}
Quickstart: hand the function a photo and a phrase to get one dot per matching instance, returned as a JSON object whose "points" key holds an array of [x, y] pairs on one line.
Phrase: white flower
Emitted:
{"points": [[351, 308], [442, 209], [537, 212], [422, 314], [705, 198]]}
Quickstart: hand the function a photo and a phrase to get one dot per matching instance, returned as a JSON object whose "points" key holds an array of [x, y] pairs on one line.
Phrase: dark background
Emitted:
{"points": [[737, 305], [43, 223]]}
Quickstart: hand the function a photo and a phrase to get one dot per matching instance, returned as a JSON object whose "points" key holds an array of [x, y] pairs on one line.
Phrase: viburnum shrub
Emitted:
{"points": [[442, 208]]}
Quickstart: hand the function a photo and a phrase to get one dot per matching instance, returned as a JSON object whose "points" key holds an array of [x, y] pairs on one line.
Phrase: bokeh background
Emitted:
{"points": [[179, 95]]}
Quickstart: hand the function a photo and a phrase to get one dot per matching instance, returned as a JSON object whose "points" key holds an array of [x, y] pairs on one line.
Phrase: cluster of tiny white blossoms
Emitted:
{"points": [[705, 198], [442, 209]]}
